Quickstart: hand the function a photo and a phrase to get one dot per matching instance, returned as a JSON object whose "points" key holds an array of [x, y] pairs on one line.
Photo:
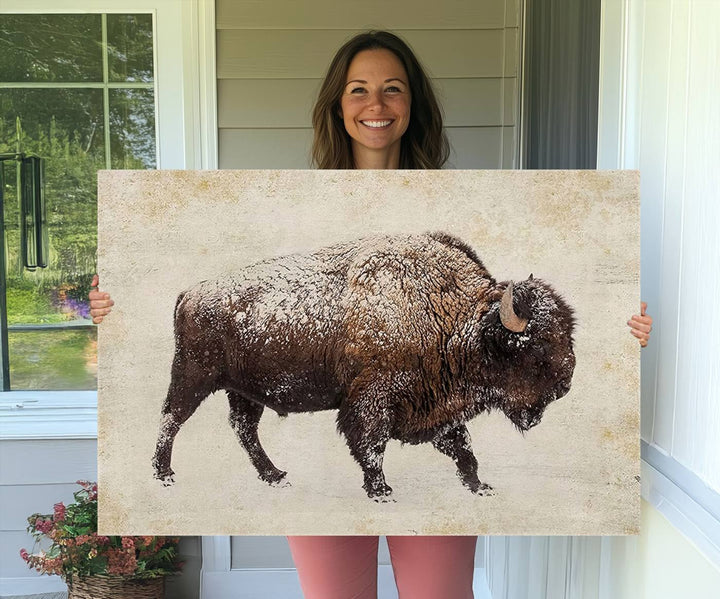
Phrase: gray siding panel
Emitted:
{"points": [[264, 148], [510, 92], [471, 148], [269, 54], [287, 103], [47, 462], [510, 147], [472, 102], [260, 552], [511, 40], [262, 103], [19, 501], [475, 147], [330, 14], [35, 475], [11, 564], [512, 13]]}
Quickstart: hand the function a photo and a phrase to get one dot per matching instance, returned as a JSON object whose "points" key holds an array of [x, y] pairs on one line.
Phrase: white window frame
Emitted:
{"points": [[186, 130]]}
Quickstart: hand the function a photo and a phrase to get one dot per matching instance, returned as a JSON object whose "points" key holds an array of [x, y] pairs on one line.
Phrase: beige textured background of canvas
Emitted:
{"points": [[575, 473]]}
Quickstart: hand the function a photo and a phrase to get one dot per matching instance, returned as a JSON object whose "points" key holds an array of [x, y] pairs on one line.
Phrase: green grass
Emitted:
{"points": [[28, 306], [53, 360]]}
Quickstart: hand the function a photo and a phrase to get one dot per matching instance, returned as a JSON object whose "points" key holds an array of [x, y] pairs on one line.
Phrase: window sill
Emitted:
{"points": [[48, 415], [681, 496]]}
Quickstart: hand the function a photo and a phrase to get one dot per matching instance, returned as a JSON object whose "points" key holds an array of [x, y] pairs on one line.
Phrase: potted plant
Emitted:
{"points": [[97, 566]]}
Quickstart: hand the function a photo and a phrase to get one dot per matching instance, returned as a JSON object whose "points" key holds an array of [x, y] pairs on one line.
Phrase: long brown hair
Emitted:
{"points": [[424, 144]]}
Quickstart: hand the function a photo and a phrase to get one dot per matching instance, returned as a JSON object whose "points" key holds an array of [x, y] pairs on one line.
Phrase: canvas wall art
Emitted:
{"points": [[369, 352]]}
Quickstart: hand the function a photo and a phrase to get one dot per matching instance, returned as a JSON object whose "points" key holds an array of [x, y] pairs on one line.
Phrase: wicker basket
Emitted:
{"points": [[116, 587]]}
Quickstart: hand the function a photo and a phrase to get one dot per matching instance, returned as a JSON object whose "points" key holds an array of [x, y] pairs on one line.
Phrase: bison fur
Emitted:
{"points": [[407, 337]]}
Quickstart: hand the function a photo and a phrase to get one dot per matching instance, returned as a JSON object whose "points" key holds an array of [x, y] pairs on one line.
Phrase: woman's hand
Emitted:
{"points": [[100, 303], [641, 325]]}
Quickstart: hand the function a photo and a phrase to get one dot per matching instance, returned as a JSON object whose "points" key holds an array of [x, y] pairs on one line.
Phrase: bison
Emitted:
{"points": [[408, 337]]}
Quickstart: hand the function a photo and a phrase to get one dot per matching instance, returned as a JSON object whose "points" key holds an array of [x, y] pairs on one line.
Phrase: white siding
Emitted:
{"points": [[677, 124], [35, 475]]}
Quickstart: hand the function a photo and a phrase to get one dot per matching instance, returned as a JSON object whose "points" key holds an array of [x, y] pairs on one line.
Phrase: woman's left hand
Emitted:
{"points": [[641, 325]]}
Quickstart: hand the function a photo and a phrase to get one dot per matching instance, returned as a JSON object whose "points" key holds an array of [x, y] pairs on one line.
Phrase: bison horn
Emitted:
{"points": [[510, 320]]}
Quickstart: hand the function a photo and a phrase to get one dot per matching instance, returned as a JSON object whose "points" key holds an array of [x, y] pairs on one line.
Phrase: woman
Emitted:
{"points": [[376, 109]]}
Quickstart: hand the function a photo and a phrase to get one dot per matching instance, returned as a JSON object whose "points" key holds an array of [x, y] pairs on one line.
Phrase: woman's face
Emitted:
{"points": [[375, 104]]}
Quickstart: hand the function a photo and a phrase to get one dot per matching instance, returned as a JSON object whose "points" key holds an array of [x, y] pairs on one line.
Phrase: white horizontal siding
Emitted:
{"points": [[35, 475], [47, 462], [19, 501]]}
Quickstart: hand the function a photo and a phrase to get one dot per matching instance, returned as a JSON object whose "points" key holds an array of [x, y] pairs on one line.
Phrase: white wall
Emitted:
{"points": [[671, 132], [34, 475], [659, 96], [659, 564]]}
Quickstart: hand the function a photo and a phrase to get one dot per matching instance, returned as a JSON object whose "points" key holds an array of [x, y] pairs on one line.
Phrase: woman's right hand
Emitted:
{"points": [[100, 303]]}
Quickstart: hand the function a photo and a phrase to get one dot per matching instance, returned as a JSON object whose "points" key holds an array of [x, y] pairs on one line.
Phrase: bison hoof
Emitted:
{"points": [[275, 479], [483, 490], [380, 493], [282, 483], [167, 480], [384, 499]]}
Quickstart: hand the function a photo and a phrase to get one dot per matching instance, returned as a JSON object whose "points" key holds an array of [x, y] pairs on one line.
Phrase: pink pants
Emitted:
{"points": [[346, 567]]}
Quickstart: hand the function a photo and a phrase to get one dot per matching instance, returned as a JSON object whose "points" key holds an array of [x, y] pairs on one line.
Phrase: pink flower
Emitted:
{"points": [[44, 526], [59, 512], [121, 562], [24, 554], [128, 543]]}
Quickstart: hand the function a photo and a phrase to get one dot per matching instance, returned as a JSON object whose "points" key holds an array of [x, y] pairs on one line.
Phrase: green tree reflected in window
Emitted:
{"points": [[82, 89]]}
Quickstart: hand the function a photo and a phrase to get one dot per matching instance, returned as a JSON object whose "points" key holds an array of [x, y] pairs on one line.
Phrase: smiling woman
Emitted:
{"points": [[375, 108], [363, 116]]}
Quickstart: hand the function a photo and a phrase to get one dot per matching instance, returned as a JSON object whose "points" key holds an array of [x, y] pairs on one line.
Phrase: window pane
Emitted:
{"points": [[132, 128], [54, 122], [53, 360], [130, 47], [65, 127], [50, 48]]}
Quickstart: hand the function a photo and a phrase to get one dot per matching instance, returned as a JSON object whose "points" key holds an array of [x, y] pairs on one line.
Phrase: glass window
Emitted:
{"points": [[78, 91], [36, 48], [130, 55]]}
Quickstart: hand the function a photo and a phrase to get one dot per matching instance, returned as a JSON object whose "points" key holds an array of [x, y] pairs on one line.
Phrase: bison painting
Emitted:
{"points": [[408, 337]]}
